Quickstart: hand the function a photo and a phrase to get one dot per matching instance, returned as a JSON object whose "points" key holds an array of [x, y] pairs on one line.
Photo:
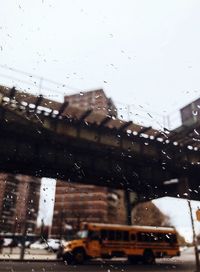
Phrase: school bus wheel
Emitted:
{"points": [[79, 256], [148, 257], [133, 259], [68, 258]]}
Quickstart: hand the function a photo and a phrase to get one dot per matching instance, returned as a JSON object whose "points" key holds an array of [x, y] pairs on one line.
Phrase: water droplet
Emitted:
{"points": [[196, 131], [195, 112]]}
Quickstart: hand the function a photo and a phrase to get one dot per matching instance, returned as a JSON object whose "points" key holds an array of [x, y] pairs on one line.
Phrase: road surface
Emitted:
{"points": [[183, 263]]}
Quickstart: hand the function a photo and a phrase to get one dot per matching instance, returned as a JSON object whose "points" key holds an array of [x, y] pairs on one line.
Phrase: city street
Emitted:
{"points": [[183, 263], [99, 136]]}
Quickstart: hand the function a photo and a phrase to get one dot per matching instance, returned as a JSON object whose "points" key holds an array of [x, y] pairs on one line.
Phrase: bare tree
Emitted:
{"points": [[148, 214]]}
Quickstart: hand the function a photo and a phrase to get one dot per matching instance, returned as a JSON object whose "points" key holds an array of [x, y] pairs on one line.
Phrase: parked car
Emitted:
{"points": [[53, 244], [27, 244], [60, 249], [7, 242], [39, 245]]}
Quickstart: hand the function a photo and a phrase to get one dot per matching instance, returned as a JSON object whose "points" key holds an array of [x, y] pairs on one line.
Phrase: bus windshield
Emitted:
{"points": [[81, 234]]}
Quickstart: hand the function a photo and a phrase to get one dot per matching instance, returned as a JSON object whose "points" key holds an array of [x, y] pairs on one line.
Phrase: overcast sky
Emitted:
{"points": [[141, 52], [145, 53]]}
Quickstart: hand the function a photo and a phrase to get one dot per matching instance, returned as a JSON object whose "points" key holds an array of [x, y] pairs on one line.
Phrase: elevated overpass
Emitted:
{"points": [[45, 138]]}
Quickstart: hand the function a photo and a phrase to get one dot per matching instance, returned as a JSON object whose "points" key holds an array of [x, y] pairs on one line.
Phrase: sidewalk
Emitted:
{"points": [[30, 255]]}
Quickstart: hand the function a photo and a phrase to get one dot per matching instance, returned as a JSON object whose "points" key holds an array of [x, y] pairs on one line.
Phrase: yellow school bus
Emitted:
{"points": [[137, 243]]}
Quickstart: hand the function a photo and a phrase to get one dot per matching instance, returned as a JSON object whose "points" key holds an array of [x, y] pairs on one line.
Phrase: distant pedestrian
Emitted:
{"points": [[1, 244]]}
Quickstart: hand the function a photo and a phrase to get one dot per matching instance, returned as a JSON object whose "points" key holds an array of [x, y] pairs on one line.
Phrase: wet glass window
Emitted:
{"points": [[99, 130]]}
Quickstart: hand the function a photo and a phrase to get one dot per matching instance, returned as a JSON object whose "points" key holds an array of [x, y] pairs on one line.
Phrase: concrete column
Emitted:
{"points": [[128, 206]]}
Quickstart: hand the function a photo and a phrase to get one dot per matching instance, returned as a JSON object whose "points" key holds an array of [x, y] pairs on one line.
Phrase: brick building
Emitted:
{"points": [[95, 100], [19, 203], [75, 202]]}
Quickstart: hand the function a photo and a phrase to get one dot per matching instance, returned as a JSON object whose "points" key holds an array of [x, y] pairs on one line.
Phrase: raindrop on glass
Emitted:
{"points": [[195, 112]]}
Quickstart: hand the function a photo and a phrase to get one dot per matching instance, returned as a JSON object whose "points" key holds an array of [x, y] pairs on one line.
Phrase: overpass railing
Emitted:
{"points": [[51, 89]]}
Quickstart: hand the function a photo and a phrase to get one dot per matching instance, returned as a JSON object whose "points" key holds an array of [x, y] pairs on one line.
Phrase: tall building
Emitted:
{"points": [[19, 203], [75, 202]]}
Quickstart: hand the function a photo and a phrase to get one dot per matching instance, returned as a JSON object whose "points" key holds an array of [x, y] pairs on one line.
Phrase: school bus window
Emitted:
{"points": [[174, 238], [94, 235], [111, 235], [145, 237], [141, 237], [104, 234], [133, 237], [160, 237], [163, 238], [126, 235], [153, 237], [119, 236], [156, 237], [150, 237], [170, 238]]}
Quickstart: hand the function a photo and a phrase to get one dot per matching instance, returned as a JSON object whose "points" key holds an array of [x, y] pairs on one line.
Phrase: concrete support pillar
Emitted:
{"points": [[131, 199], [128, 206]]}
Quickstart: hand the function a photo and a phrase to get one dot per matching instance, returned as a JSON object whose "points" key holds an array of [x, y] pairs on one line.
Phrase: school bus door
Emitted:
{"points": [[94, 244]]}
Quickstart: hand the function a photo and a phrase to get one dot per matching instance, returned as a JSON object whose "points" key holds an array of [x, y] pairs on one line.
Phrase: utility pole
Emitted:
{"points": [[40, 85], [23, 241], [128, 112], [194, 238], [42, 228]]}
